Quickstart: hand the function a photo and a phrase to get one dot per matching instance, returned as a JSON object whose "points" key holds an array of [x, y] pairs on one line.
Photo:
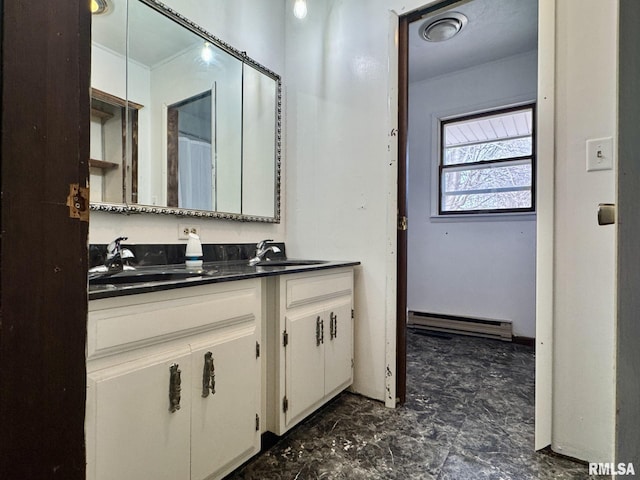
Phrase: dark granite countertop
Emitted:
{"points": [[212, 272]]}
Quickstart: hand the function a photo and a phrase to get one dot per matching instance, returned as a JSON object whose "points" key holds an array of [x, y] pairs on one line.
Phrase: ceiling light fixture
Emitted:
{"points": [[98, 7], [442, 27], [300, 8], [207, 53]]}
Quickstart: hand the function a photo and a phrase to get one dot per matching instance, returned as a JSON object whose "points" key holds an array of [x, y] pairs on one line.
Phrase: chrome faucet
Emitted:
{"points": [[116, 255], [261, 250]]}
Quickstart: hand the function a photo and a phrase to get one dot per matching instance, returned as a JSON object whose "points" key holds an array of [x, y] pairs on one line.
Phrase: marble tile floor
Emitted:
{"points": [[469, 415]]}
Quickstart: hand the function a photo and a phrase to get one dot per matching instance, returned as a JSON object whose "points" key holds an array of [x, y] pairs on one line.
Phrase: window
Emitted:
{"points": [[487, 163]]}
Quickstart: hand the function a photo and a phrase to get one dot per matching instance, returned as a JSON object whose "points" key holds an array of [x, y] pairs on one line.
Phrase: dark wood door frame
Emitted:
{"points": [[173, 114], [403, 123], [43, 311]]}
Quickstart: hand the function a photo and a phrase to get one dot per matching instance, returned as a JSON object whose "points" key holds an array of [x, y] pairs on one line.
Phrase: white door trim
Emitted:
{"points": [[545, 222]]}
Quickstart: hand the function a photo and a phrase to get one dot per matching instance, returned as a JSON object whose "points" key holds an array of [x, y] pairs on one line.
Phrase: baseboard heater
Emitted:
{"points": [[479, 327]]}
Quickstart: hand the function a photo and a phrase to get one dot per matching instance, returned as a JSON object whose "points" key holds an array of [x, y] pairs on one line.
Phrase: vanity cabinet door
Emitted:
{"points": [[225, 401], [304, 363], [130, 422], [338, 344], [312, 343]]}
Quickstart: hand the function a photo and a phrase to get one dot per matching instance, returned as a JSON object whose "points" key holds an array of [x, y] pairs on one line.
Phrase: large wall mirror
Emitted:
{"points": [[181, 122]]}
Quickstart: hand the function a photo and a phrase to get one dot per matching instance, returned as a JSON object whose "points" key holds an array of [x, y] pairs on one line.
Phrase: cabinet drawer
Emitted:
{"points": [[302, 290], [125, 323]]}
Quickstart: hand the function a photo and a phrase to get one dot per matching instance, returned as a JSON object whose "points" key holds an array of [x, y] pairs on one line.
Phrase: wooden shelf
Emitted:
{"points": [[101, 113], [102, 164]]}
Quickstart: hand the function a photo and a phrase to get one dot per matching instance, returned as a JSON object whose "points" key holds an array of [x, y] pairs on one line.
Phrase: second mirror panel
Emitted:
{"points": [[259, 168], [191, 141]]}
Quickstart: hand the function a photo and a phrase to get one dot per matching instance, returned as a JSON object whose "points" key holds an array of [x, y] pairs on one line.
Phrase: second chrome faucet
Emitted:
{"points": [[262, 249]]}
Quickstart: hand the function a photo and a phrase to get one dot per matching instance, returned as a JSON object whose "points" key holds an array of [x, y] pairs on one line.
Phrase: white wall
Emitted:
{"points": [[484, 266], [584, 323], [254, 26], [338, 176]]}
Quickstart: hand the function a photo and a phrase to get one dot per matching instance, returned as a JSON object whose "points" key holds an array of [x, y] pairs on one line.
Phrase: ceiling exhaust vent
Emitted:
{"points": [[442, 27]]}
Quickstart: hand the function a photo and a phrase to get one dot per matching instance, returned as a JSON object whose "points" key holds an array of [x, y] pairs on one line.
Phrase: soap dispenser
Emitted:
{"points": [[193, 254]]}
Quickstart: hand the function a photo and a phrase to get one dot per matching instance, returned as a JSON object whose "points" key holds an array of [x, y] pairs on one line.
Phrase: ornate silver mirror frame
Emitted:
{"points": [[132, 208]]}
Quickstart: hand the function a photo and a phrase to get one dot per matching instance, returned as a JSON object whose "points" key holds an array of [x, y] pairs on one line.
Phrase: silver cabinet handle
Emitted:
{"points": [[334, 325], [174, 387], [606, 214], [331, 326], [318, 331], [208, 375]]}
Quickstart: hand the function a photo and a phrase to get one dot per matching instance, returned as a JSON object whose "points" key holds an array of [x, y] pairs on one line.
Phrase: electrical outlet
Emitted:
{"points": [[185, 229]]}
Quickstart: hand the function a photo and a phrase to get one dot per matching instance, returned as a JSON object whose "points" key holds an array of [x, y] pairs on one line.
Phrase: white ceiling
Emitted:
{"points": [[152, 36], [496, 29]]}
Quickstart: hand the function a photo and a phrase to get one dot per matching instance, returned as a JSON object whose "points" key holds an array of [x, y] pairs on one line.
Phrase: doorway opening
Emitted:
{"points": [[472, 264]]}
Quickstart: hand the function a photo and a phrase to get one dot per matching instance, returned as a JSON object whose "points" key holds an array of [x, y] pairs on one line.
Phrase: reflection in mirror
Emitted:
{"points": [[259, 148], [191, 153], [107, 161], [178, 66], [114, 139], [205, 134]]}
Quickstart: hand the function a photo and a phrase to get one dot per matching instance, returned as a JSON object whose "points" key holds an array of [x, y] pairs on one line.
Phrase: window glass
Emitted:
{"points": [[487, 163]]}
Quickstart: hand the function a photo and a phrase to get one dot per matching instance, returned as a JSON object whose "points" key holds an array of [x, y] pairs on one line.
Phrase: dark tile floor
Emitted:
{"points": [[469, 415]]}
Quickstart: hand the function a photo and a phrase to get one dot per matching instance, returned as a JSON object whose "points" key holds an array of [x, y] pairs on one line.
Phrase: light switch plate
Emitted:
{"points": [[599, 154]]}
